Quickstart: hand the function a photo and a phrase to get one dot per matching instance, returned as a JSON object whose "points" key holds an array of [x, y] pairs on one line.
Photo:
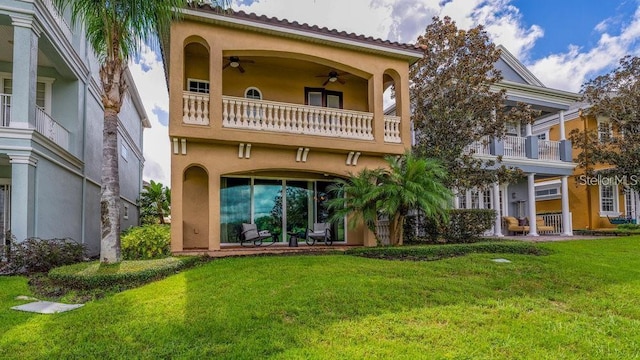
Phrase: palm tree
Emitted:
{"points": [[409, 183], [156, 199], [116, 29]]}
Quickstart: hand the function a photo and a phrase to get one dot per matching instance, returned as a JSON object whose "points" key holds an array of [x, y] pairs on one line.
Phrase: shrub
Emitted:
{"points": [[464, 225], [38, 255], [126, 274], [429, 253], [629, 226], [146, 242]]}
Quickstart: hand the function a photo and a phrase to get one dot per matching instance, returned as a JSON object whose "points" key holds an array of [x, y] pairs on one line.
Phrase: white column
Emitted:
{"points": [[25, 71], [531, 200], [563, 135], [23, 197], [497, 227], [566, 216], [529, 129], [456, 200]]}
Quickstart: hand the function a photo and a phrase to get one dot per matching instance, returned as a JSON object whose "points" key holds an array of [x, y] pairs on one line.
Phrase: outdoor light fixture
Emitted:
{"points": [[234, 61]]}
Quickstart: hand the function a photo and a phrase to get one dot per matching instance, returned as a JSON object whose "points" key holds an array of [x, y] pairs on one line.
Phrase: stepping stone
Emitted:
{"points": [[46, 307], [503, 261]]}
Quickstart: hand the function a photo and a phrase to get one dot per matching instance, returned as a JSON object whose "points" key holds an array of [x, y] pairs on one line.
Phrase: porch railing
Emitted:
{"points": [[392, 129], [48, 127], [514, 146], [548, 150], [195, 108], [480, 147], [383, 232], [292, 118], [555, 220], [5, 110]]}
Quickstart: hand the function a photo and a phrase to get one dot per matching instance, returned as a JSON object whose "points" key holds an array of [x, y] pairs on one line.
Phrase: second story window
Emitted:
{"points": [[322, 97], [604, 131], [199, 86], [253, 93]]}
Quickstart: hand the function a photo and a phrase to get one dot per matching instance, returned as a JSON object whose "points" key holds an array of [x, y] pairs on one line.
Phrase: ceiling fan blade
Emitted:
{"points": [[241, 69], [226, 66], [341, 81], [321, 75], [325, 82], [248, 61]]}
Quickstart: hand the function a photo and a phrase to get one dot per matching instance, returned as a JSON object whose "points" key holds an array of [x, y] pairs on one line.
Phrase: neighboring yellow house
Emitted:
{"points": [[592, 201], [265, 113]]}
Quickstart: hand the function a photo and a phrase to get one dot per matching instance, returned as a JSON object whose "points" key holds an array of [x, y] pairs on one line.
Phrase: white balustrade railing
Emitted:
{"points": [[514, 146], [48, 127], [5, 110], [392, 129], [195, 108], [241, 113], [383, 232], [480, 147], [62, 23], [548, 150], [554, 220]]}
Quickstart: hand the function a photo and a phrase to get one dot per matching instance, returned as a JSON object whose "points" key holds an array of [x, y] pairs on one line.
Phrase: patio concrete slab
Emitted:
{"points": [[46, 307]]}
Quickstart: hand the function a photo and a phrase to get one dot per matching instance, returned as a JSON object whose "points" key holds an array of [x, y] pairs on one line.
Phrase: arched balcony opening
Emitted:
{"points": [[392, 96], [196, 82]]}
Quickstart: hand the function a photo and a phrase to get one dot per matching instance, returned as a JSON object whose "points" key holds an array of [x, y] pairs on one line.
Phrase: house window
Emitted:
{"points": [[253, 93], [608, 199], [199, 86], [605, 132], [486, 199], [462, 201], [124, 152], [322, 97], [126, 212], [548, 190], [41, 92], [543, 136]]}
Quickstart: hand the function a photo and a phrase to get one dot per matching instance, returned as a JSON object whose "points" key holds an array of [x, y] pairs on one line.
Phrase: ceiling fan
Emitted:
{"points": [[235, 62], [332, 77]]}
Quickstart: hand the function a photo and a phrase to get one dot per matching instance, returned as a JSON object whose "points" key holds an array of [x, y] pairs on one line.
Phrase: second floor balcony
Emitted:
{"points": [[281, 117], [518, 147], [44, 123]]}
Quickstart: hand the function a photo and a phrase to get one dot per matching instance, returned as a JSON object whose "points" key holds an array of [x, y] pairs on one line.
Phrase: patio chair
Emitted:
{"points": [[541, 227], [320, 231], [514, 226], [250, 234]]}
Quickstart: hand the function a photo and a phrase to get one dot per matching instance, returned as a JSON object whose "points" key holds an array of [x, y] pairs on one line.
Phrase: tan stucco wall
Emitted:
{"points": [[283, 68], [584, 201], [222, 160], [363, 90]]}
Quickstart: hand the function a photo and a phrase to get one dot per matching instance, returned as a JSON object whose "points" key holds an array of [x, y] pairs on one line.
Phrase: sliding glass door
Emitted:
{"points": [[280, 206]]}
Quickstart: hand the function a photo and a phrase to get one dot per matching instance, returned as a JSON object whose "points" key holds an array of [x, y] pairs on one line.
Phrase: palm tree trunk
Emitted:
{"points": [[110, 200], [396, 230], [160, 212]]}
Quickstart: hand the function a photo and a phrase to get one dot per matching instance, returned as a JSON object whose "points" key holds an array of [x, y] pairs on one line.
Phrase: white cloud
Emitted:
{"points": [[148, 73], [403, 20], [569, 70]]}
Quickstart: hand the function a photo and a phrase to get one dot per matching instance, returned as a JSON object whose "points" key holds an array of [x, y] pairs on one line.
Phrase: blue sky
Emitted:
{"points": [[563, 42]]}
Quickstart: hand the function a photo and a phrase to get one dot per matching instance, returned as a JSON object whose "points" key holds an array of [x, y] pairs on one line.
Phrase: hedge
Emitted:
{"points": [[463, 226]]}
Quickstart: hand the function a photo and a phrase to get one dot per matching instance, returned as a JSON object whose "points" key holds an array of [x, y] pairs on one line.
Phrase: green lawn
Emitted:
{"points": [[582, 301]]}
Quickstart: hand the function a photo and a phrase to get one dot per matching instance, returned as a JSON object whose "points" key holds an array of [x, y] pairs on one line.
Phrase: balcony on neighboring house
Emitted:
{"points": [[280, 117], [58, 19], [44, 123], [518, 147]]}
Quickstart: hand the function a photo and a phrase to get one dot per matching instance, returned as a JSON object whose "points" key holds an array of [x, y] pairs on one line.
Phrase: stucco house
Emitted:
{"points": [[266, 113], [593, 200], [51, 129], [536, 154]]}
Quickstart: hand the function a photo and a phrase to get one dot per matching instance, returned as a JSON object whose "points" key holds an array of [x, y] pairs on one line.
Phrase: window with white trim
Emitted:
{"points": [[124, 152], [548, 190], [126, 212], [609, 199], [605, 132], [462, 201], [543, 136], [253, 93], [43, 90], [197, 85]]}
